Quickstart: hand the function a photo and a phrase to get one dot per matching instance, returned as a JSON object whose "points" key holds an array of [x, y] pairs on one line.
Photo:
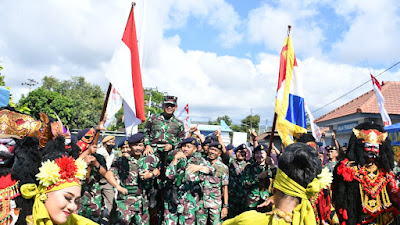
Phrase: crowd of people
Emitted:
{"points": [[169, 175]]}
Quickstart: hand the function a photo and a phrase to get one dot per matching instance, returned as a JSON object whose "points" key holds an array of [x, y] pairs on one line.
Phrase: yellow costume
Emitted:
{"points": [[303, 214], [54, 176]]}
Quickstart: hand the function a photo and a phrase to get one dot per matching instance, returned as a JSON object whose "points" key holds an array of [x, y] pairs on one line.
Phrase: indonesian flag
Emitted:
{"points": [[113, 106], [124, 75], [289, 103], [184, 114], [381, 101]]}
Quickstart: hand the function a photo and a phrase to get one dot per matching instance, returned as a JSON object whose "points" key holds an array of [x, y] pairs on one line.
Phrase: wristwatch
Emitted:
{"points": [[225, 206]]}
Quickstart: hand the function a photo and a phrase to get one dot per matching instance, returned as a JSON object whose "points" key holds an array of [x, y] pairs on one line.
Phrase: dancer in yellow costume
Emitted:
{"points": [[55, 200], [296, 181]]}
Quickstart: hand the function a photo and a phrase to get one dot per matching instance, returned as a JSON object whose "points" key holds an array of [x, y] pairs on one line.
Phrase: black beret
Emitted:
{"points": [[241, 147], [122, 142], [229, 147], [261, 147], [190, 140], [330, 147], [207, 141], [136, 138], [212, 138], [216, 144]]}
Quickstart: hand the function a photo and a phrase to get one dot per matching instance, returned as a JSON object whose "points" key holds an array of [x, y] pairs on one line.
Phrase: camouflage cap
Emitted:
{"points": [[170, 99]]}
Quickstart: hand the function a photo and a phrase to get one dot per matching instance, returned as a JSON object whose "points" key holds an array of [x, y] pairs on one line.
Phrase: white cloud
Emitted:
{"points": [[66, 38], [373, 33], [268, 25]]}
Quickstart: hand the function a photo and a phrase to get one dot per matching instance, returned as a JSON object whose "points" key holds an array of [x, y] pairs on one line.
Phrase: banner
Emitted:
{"points": [[289, 104], [124, 74], [381, 101]]}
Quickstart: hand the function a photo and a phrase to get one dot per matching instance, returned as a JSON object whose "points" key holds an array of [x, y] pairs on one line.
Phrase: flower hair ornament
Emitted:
{"points": [[54, 175]]}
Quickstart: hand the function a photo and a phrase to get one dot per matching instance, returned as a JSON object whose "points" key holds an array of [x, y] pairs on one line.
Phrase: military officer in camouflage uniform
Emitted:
{"points": [[186, 172], [237, 163], [214, 205], [91, 201], [163, 131], [257, 177], [135, 173]]}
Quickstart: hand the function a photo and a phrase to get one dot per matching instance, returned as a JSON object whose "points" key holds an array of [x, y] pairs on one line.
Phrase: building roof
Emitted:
{"points": [[367, 103]]}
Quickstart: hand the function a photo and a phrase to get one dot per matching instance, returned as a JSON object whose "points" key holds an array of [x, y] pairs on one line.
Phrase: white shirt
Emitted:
{"points": [[109, 157]]}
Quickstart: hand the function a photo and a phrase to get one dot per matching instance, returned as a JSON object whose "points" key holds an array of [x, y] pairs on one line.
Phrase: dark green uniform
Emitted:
{"points": [[257, 188], [91, 202], [189, 190], [161, 131], [211, 204], [133, 208], [237, 192]]}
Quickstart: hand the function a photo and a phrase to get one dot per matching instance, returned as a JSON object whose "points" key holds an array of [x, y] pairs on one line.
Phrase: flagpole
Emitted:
{"points": [[272, 135]]}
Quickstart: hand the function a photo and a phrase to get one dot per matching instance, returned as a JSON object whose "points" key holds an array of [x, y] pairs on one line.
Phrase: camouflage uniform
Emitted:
{"points": [[210, 205], [189, 190], [257, 189], [133, 207], [237, 192], [159, 130], [91, 201]]}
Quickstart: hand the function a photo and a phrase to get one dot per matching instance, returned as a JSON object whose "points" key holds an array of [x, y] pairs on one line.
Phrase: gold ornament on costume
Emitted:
{"points": [[18, 124], [126, 142], [370, 136]]}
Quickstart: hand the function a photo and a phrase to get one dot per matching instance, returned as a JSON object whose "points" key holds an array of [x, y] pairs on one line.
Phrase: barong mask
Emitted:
{"points": [[6, 150], [372, 139]]}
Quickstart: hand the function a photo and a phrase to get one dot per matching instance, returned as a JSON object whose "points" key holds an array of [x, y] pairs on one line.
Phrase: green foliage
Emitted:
{"points": [[226, 118], [2, 83], [254, 120], [76, 102], [237, 128]]}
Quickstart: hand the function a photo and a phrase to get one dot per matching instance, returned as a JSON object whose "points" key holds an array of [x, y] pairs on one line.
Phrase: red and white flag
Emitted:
{"points": [[124, 75], [113, 106], [184, 114], [381, 101]]}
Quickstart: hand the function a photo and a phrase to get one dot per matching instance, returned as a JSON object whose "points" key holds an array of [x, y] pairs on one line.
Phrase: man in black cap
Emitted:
{"points": [[136, 174], [238, 193], [214, 204], [186, 171], [333, 153], [257, 177]]}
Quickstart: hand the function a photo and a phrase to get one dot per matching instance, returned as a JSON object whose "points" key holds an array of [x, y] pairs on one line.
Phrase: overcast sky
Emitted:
{"points": [[221, 57]]}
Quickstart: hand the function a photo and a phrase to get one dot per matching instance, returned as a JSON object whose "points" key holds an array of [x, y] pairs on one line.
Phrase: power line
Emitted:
{"points": [[357, 87]]}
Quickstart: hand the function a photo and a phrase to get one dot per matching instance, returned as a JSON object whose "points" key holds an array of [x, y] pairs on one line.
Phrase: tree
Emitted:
{"points": [[2, 83], [76, 102], [254, 120], [226, 118]]}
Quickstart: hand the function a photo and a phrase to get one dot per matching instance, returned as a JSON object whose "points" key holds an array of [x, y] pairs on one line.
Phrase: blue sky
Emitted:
{"points": [[221, 57]]}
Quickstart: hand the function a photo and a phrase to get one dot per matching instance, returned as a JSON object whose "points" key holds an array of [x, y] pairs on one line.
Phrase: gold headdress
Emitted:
{"points": [[370, 136]]}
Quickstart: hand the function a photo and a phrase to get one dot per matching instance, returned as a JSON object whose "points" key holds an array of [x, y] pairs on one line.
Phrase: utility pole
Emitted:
{"points": [[31, 83]]}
